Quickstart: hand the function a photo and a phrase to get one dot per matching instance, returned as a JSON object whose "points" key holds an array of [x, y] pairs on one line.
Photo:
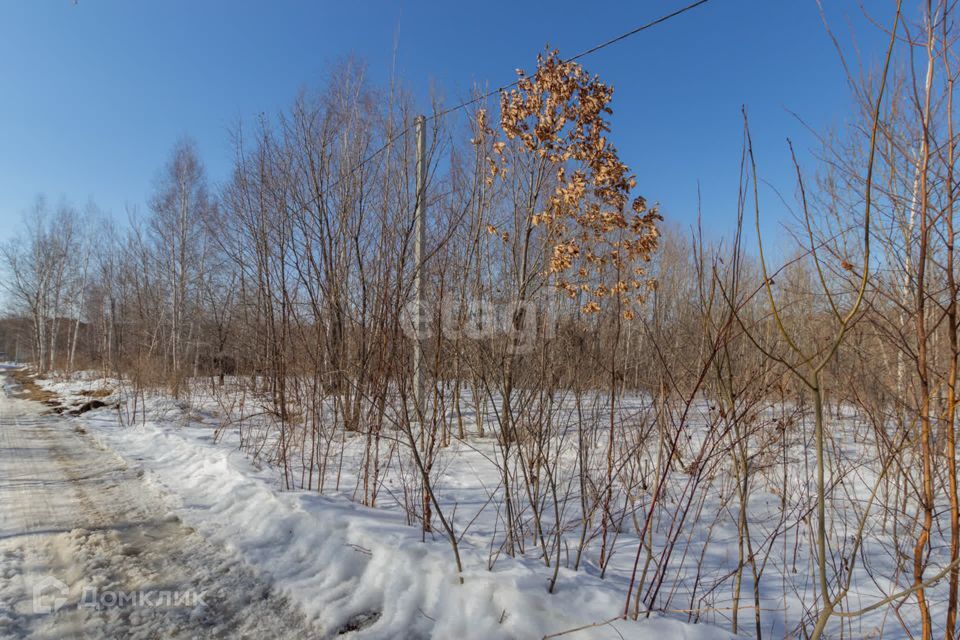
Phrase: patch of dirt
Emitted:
{"points": [[29, 388], [97, 393], [88, 406], [359, 622]]}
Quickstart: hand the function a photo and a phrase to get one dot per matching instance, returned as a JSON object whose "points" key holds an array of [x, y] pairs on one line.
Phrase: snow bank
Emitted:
{"points": [[353, 568]]}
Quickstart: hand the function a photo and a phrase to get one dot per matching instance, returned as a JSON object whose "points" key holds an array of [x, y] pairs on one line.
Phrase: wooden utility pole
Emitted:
{"points": [[418, 246]]}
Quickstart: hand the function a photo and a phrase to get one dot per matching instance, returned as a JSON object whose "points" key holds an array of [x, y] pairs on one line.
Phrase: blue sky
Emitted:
{"points": [[93, 95]]}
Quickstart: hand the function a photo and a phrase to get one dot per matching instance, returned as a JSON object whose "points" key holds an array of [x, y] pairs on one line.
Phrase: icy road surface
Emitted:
{"points": [[88, 551]]}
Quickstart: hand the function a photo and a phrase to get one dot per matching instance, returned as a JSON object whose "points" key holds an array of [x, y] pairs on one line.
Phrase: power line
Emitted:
{"points": [[582, 54], [638, 30], [502, 88]]}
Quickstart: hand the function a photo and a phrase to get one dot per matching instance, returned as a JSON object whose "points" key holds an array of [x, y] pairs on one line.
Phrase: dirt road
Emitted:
{"points": [[88, 550]]}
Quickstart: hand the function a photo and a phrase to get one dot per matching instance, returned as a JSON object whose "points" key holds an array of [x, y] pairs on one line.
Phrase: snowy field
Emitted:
{"points": [[369, 571], [349, 569]]}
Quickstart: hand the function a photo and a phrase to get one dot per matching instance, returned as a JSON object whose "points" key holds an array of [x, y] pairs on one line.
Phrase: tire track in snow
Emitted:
{"points": [[76, 519]]}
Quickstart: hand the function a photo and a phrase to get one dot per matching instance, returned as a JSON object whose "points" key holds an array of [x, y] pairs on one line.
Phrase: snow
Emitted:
{"points": [[350, 567], [371, 573], [87, 550]]}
